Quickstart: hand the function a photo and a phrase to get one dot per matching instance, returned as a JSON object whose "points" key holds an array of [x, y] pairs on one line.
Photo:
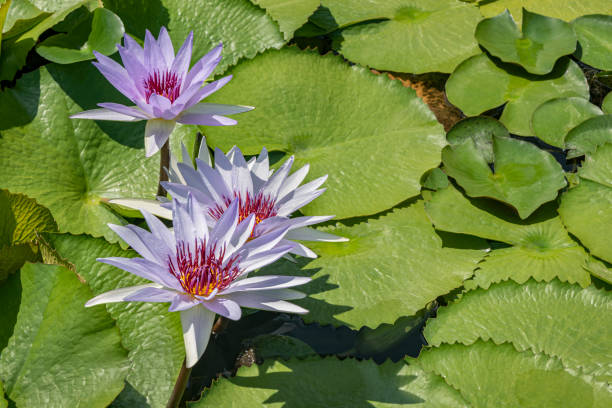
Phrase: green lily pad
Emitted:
{"points": [[586, 211], [541, 43], [3, 12], [15, 49], [290, 15], [598, 166], [61, 354], [244, 28], [105, 30], [589, 135], [392, 266], [478, 84], [20, 219], [524, 177], [444, 30], [152, 335], [481, 130], [489, 375], [541, 317], [593, 34], [21, 16], [541, 247], [565, 10], [435, 179], [323, 126], [330, 383], [553, 119], [606, 104], [85, 162]]}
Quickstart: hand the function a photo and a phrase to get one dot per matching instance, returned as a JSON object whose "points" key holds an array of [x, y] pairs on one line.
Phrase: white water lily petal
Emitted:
{"points": [[145, 269], [157, 132], [218, 109], [143, 242], [152, 294], [203, 153], [267, 282], [252, 263], [271, 300], [224, 307], [182, 302], [118, 295], [274, 183], [152, 206], [197, 325], [293, 181], [223, 230], [311, 234], [297, 201], [300, 249], [105, 114]]}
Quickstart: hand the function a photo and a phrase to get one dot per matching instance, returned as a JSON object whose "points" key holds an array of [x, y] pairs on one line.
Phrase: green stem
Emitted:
{"points": [[179, 387], [164, 163]]}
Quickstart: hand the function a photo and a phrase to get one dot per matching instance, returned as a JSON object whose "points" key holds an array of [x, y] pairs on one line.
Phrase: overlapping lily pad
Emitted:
{"points": [[329, 383], [497, 375], [290, 15], [553, 318], [20, 219], [541, 247], [479, 84], [392, 266], [524, 176], [416, 36], [540, 43], [553, 119], [593, 33], [244, 28], [598, 166], [566, 10], [71, 166], [606, 104], [61, 354], [374, 151], [586, 137], [102, 31], [152, 335]]}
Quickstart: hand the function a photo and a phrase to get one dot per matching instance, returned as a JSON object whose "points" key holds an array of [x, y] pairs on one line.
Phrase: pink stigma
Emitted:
{"points": [[164, 84], [262, 206], [201, 272]]}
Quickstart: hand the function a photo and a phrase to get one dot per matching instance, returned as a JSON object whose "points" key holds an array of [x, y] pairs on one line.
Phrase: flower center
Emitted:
{"points": [[162, 83], [200, 271], [262, 206]]}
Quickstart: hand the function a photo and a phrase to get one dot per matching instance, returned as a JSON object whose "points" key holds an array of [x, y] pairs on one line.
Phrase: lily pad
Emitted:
{"points": [[481, 130], [541, 43], [511, 378], [391, 266], [565, 10], [21, 16], [598, 166], [541, 247], [589, 135], [330, 383], [105, 31], [586, 211], [541, 317], [307, 108], [593, 34], [61, 354], [244, 28], [444, 30], [479, 84], [290, 15], [553, 119], [524, 176], [151, 334]]}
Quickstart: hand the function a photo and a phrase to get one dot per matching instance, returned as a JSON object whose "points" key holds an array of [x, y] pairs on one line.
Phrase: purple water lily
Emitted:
{"points": [[162, 88], [203, 271]]}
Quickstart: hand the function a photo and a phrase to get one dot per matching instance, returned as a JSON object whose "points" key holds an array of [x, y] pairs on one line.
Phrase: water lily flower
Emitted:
{"points": [[203, 271], [162, 88], [271, 196]]}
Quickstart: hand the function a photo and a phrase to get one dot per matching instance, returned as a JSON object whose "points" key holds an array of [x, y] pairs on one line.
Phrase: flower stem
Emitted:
{"points": [[179, 387], [164, 163]]}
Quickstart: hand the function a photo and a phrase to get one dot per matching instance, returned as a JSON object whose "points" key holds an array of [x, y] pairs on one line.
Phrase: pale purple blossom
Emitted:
{"points": [[202, 271], [162, 88]]}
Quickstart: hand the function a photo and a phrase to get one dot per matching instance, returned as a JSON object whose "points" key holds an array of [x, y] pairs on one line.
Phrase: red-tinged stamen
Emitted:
{"points": [[164, 84], [200, 271], [262, 206]]}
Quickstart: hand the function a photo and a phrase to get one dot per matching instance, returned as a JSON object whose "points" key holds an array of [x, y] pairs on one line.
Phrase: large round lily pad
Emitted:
{"points": [[416, 36], [553, 119], [566, 10], [479, 84], [372, 136], [541, 43], [595, 40], [524, 176]]}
